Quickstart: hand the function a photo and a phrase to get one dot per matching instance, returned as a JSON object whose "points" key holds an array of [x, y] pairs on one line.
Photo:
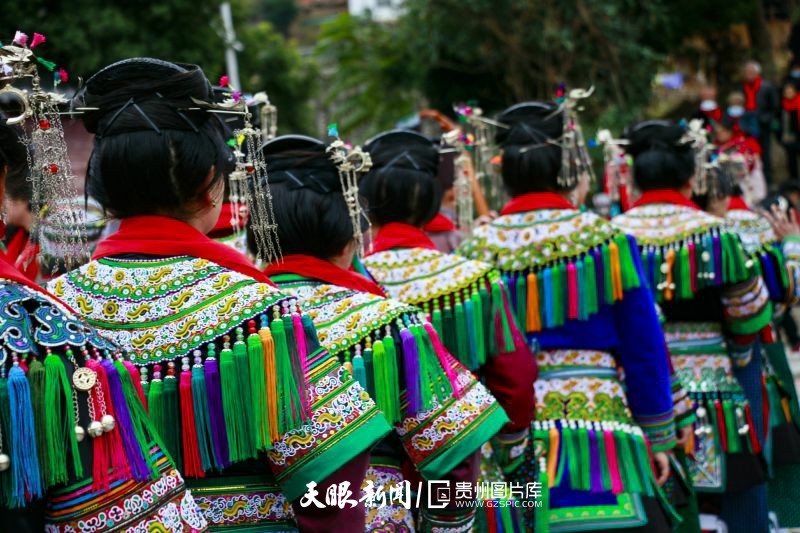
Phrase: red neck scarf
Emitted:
{"points": [[439, 224], [9, 272], [751, 94], [23, 254], [664, 196], [713, 115], [399, 235], [168, 237], [536, 200], [737, 202], [325, 271]]}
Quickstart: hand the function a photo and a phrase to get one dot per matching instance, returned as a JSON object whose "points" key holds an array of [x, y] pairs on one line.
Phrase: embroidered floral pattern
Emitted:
{"points": [[663, 224], [252, 507]]}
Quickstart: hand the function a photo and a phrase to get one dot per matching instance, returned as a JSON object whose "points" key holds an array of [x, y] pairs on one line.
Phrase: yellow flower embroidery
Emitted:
{"points": [[110, 309]]}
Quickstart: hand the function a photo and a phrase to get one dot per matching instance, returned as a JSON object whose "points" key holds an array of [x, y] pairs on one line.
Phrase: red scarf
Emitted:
{"points": [[399, 235], [737, 202], [536, 200], [325, 271], [439, 224], [23, 254], [9, 272], [223, 226], [792, 106], [168, 237], [664, 196], [751, 94], [715, 115]]}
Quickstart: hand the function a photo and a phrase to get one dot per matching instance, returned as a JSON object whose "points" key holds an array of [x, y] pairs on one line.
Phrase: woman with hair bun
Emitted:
{"points": [[441, 413], [577, 289], [715, 305], [403, 194], [260, 419]]}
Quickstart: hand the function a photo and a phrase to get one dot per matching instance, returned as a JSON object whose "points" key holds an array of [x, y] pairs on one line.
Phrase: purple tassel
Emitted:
{"points": [[133, 448], [411, 362], [717, 259], [216, 416], [594, 461]]}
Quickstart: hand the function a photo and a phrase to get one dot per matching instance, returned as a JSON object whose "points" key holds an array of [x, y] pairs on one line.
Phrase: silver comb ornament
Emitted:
{"points": [[351, 162]]}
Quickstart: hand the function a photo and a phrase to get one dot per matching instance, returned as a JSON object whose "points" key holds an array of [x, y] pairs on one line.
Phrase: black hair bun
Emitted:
{"points": [[162, 93], [13, 153], [530, 122], [655, 135], [404, 150], [300, 161]]}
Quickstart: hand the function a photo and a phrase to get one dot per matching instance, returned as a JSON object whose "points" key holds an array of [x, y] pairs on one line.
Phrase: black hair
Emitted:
{"points": [[660, 159], [154, 144], [531, 150], [310, 211], [401, 186], [14, 158]]}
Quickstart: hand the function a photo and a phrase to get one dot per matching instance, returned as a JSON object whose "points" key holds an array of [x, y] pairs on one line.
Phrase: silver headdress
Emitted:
{"points": [[48, 161], [575, 161], [464, 170], [698, 138], [351, 162]]}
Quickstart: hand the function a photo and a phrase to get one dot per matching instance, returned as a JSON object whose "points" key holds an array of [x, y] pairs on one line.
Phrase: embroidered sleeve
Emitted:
{"points": [[746, 306]]}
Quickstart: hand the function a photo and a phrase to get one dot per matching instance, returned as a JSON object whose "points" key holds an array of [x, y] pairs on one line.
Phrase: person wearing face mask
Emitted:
{"points": [[708, 109]]}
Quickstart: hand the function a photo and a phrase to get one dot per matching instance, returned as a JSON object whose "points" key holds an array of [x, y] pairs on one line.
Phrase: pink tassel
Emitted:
{"points": [[613, 466], [137, 380], [224, 81], [236, 95], [302, 348], [572, 291], [20, 38], [63, 75], [445, 359], [38, 39]]}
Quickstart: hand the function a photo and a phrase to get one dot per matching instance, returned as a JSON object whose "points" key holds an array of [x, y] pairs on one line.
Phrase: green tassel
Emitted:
{"points": [[205, 440], [462, 344], [731, 427], [369, 367], [426, 372], [570, 436], [359, 370], [608, 283], [436, 319], [241, 359], [155, 403], [235, 425], [480, 326], [631, 481], [36, 376], [60, 423], [172, 418], [49, 65], [643, 464], [563, 453], [630, 277], [287, 385], [685, 276], [449, 321], [258, 388], [559, 294], [590, 283], [542, 514], [393, 376], [522, 300], [603, 462], [486, 308], [586, 471], [506, 341], [383, 386]]}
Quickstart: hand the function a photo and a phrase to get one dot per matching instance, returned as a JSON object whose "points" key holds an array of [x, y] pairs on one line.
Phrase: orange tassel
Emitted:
{"points": [[616, 270], [534, 323], [668, 289], [271, 376], [552, 456]]}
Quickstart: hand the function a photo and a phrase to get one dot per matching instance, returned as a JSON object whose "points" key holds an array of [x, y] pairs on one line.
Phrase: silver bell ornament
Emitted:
{"points": [[80, 433], [95, 429], [108, 423], [5, 462]]}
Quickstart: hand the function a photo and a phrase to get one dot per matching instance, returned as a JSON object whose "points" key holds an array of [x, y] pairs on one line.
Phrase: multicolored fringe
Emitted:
{"points": [[38, 419], [728, 419], [427, 367], [677, 270], [475, 322], [596, 456], [573, 288], [224, 408]]}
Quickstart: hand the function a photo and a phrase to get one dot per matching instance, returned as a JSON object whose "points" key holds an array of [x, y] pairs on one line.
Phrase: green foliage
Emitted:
{"points": [[280, 13], [367, 75], [268, 63]]}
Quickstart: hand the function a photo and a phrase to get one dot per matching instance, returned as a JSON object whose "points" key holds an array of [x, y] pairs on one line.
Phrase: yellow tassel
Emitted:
{"points": [[668, 289], [552, 456], [534, 324], [616, 270], [271, 377]]}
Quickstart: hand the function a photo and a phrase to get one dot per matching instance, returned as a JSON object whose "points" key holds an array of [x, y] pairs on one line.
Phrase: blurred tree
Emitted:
{"points": [[367, 75], [280, 13]]}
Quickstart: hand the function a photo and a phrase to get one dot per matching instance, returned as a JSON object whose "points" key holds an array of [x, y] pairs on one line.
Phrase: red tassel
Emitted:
{"points": [[108, 451], [63, 75], [193, 467], [723, 434], [38, 39], [224, 81], [756, 446]]}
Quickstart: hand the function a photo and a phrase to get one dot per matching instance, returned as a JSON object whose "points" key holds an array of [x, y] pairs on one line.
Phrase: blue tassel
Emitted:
{"points": [[549, 308], [26, 476]]}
